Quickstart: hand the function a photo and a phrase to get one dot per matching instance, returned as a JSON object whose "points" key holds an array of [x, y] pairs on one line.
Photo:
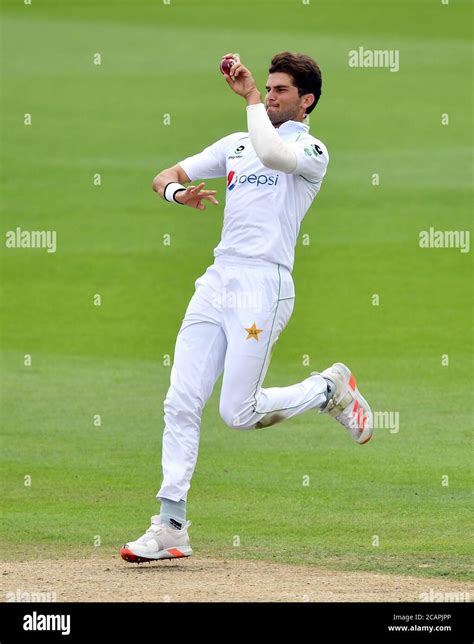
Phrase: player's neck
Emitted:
{"points": [[277, 125]]}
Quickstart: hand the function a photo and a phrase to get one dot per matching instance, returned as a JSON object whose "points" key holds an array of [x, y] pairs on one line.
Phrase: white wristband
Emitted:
{"points": [[170, 191]]}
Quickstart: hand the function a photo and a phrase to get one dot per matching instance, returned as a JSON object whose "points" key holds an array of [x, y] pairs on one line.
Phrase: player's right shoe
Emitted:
{"points": [[160, 541], [346, 404]]}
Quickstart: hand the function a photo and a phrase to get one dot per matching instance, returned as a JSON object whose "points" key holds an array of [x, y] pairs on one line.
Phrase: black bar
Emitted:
{"points": [[293, 622]]}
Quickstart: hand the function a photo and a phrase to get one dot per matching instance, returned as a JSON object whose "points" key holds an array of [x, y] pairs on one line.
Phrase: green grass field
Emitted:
{"points": [[108, 360]]}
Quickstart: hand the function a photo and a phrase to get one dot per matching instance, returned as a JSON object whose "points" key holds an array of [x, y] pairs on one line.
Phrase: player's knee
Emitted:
{"points": [[237, 417], [180, 404]]}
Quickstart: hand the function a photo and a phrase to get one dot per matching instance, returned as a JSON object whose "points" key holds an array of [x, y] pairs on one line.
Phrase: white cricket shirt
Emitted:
{"points": [[264, 208]]}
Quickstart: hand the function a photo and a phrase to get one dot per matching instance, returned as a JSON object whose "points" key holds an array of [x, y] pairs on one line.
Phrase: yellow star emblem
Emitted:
{"points": [[253, 332]]}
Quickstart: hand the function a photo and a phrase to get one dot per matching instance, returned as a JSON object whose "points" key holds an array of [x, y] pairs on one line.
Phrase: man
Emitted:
{"points": [[245, 299]]}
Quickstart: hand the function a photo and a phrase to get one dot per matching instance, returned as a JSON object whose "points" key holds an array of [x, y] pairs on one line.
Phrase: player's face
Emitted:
{"points": [[282, 100]]}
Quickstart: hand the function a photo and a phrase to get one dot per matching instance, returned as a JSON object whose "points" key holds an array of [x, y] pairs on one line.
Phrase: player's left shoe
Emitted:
{"points": [[346, 404], [160, 541]]}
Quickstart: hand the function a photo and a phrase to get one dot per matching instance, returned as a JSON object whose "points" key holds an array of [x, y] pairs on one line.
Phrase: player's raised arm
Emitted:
{"points": [[270, 149], [168, 184], [283, 102]]}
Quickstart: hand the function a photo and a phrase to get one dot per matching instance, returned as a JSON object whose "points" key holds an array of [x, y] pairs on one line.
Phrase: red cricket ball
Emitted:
{"points": [[226, 65]]}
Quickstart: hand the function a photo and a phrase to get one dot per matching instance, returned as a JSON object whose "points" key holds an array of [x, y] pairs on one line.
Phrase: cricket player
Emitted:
{"points": [[245, 298]]}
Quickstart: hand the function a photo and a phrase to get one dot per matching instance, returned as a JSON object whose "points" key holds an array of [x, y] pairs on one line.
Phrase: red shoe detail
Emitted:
{"points": [[352, 383], [128, 555], [175, 552]]}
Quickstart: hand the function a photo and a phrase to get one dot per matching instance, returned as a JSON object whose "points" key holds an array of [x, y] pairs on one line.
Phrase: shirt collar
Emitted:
{"points": [[289, 126]]}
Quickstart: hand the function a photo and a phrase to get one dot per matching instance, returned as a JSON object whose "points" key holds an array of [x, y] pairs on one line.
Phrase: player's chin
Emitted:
{"points": [[272, 114]]}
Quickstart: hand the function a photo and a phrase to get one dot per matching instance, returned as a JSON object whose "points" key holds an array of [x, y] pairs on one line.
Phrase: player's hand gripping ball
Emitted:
{"points": [[226, 64]]}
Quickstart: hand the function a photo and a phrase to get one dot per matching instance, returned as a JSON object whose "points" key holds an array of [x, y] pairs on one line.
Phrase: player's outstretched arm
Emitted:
{"points": [[191, 196]]}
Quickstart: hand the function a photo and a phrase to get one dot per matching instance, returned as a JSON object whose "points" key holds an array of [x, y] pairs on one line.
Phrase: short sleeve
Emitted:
{"points": [[312, 159], [210, 163]]}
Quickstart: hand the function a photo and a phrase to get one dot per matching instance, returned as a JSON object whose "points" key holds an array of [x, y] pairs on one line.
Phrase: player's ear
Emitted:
{"points": [[308, 100]]}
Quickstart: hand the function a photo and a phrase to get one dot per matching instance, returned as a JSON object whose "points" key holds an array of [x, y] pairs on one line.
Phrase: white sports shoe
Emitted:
{"points": [[347, 405], [160, 541]]}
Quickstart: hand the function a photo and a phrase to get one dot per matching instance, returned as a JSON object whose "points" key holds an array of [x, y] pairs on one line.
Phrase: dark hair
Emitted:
{"points": [[304, 71]]}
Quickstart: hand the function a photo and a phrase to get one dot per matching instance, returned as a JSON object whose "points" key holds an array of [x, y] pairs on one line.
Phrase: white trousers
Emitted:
{"points": [[233, 320]]}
